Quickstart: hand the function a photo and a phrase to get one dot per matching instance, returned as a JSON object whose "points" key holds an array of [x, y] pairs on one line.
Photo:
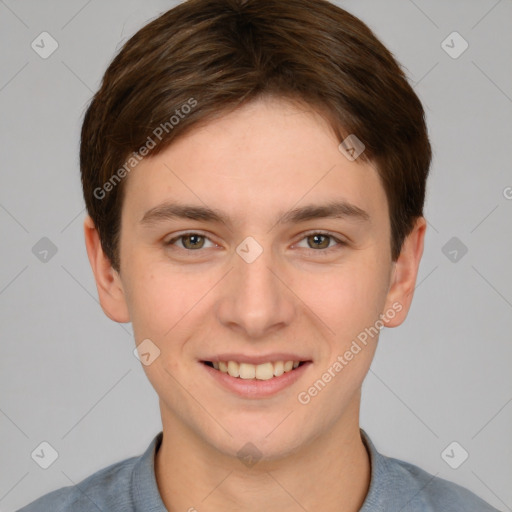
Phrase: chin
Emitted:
{"points": [[252, 440]]}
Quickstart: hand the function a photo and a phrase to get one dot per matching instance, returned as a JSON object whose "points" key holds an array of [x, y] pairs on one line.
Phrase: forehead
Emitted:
{"points": [[268, 156]]}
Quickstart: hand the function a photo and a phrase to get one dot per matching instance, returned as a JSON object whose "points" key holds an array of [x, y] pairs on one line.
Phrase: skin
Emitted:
{"points": [[253, 164]]}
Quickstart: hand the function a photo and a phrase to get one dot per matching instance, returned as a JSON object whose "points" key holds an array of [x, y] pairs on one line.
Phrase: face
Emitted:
{"points": [[255, 240]]}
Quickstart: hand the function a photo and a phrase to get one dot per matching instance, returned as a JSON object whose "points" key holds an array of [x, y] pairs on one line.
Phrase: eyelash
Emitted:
{"points": [[327, 251]]}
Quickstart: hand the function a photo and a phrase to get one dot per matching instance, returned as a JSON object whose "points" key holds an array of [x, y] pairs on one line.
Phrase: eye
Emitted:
{"points": [[190, 241], [321, 242]]}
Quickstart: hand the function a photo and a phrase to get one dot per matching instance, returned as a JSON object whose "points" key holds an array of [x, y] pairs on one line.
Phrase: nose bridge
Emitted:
{"points": [[255, 300]]}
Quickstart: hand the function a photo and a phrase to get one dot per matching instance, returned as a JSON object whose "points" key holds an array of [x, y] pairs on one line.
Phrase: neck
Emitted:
{"points": [[331, 473]]}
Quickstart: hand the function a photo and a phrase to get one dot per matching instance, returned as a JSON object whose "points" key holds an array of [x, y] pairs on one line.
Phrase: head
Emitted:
{"points": [[235, 111]]}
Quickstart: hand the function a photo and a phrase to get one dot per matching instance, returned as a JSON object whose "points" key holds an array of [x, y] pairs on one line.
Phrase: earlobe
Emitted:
{"points": [[108, 282], [405, 272]]}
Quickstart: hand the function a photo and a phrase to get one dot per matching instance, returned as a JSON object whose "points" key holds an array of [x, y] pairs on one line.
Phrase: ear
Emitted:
{"points": [[108, 281], [403, 276]]}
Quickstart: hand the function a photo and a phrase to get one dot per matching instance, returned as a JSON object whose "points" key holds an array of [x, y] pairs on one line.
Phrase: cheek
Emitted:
{"points": [[348, 298], [153, 301], [164, 303]]}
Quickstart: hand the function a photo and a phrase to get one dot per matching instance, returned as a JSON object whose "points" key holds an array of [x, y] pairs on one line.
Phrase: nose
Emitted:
{"points": [[255, 299]]}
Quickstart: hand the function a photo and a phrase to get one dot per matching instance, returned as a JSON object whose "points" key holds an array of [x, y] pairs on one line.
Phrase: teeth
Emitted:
{"points": [[247, 371], [263, 371], [233, 369], [278, 368]]}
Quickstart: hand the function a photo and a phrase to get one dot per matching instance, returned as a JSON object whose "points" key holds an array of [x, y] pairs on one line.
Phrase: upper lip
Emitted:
{"points": [[256, 359]]}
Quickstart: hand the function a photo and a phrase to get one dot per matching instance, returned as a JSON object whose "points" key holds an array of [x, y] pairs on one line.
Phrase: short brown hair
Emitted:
{"points": [[215, 55]]}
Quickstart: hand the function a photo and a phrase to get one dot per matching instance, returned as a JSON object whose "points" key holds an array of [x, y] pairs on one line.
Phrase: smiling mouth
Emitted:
{"points": [[247, 371]]}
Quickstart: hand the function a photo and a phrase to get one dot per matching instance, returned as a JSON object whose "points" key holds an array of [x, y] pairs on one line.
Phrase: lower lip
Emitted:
{"points": [[254, 388]]}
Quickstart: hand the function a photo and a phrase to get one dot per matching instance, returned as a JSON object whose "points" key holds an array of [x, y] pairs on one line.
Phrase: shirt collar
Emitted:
{"points": [[146, 496], [379, 472]]}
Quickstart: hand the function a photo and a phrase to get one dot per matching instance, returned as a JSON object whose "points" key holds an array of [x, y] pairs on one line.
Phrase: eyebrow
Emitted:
{"points": [[336, 210]]}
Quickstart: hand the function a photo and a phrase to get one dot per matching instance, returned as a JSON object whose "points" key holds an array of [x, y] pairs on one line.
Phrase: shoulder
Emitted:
{"points": [[399, 485], [428, 492], [107, 489]]}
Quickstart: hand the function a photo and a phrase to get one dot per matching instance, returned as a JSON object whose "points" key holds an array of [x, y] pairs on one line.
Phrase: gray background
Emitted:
{"points": [[68, 375]]}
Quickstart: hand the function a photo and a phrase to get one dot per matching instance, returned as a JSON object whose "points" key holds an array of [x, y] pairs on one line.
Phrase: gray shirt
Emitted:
{"points": [[130, 486]]}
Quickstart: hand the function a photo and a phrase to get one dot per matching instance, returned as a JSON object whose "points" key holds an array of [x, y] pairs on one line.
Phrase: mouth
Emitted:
{"points": [[253, 372], [263, 377]]}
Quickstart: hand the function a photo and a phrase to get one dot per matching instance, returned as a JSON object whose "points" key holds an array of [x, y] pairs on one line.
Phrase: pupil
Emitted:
{"points": [[317, 240], [193, 240]]}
